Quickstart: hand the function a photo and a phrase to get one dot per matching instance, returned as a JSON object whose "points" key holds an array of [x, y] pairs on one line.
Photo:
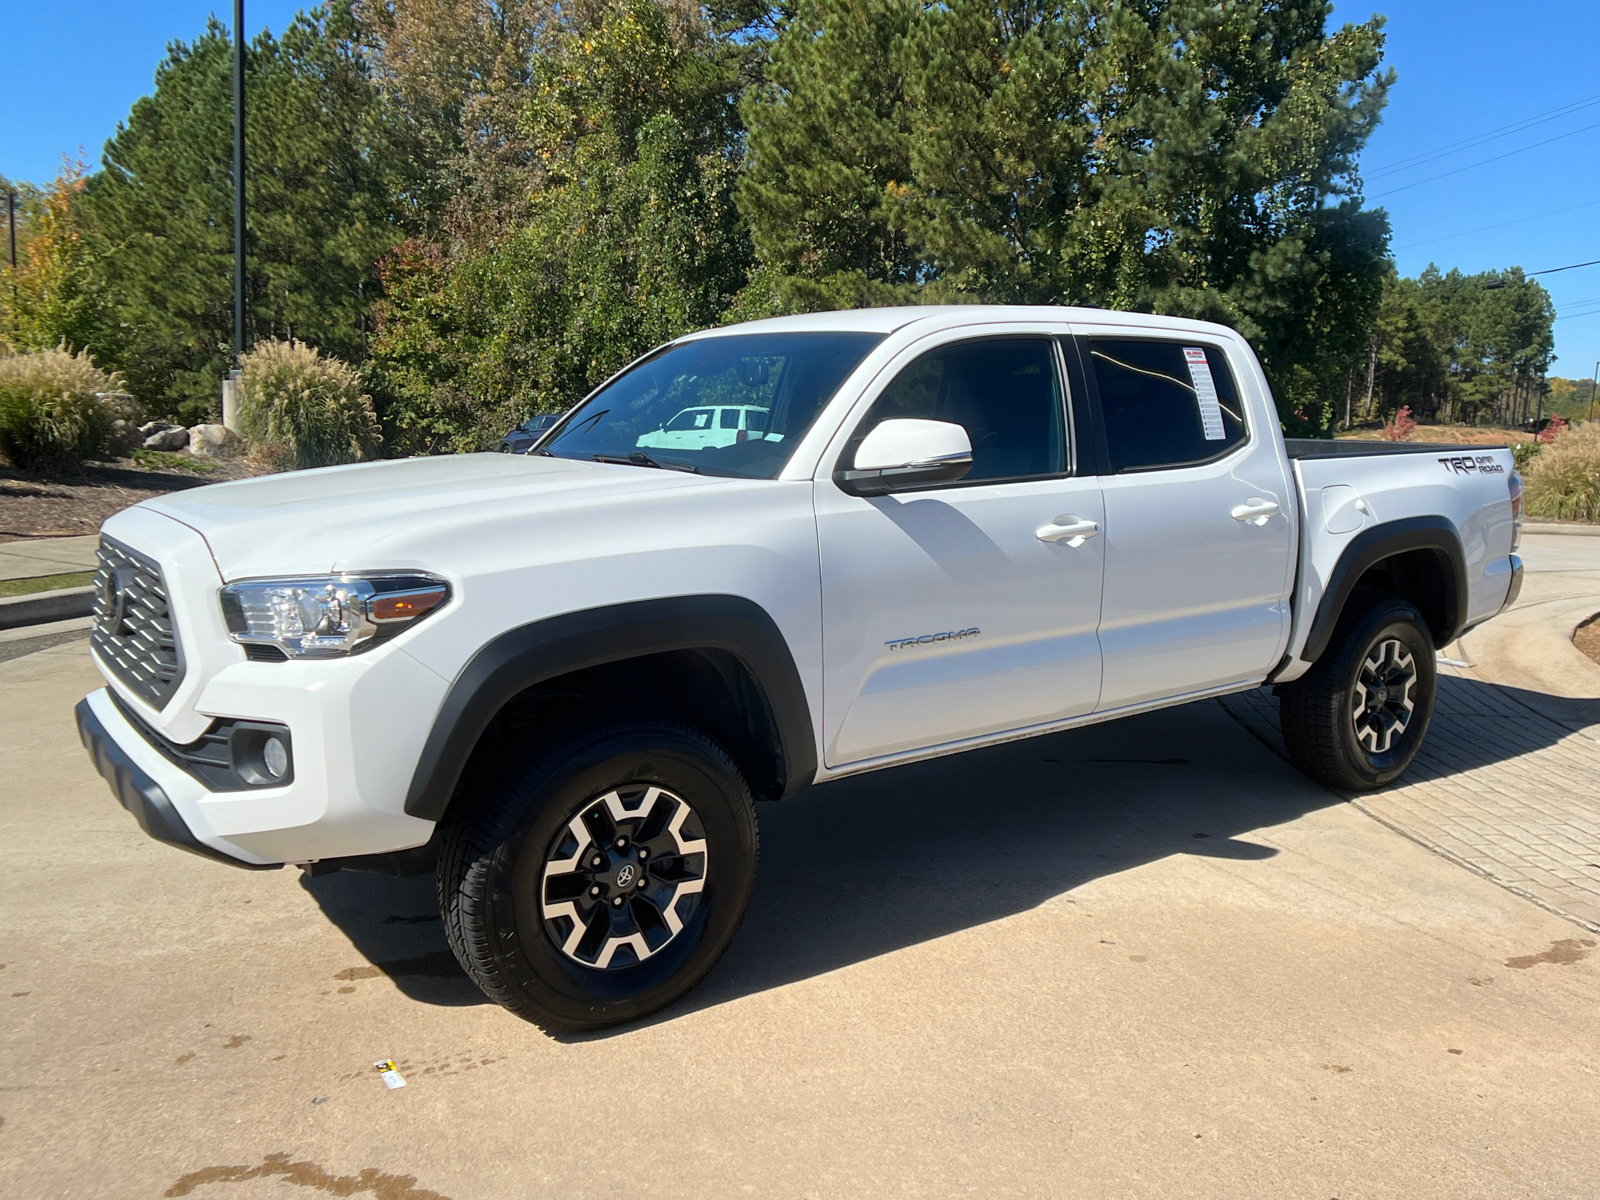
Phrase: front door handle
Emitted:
{"points": [[1255, 510], [1068, 529]]}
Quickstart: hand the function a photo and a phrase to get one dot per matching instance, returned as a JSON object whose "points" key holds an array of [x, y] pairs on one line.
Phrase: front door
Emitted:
{"points": [[959, 610], [1198, 542]]}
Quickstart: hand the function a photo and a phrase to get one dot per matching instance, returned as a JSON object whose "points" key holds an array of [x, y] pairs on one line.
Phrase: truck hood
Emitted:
{"points": [[387, 514]]}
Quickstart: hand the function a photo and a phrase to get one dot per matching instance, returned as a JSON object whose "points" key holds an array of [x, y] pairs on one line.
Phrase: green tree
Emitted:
{"points": [[1174, 156], [628, 234], [1460, 347], [325, 187]]}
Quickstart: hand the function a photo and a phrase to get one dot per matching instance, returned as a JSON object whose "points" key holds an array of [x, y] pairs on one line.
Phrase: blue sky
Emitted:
{"points": [[1467, 68]]}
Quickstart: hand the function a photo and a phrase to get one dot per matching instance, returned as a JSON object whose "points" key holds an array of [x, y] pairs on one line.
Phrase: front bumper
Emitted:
{"points": [[142, 795]]}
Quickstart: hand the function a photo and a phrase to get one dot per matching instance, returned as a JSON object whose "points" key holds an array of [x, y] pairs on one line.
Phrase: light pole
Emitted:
{"points": [[11, 210], [230, 382], [238, 181]]}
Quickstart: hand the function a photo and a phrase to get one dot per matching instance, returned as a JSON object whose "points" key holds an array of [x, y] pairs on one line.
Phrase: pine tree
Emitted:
{"points": [[1179, 156], [326, 183]]}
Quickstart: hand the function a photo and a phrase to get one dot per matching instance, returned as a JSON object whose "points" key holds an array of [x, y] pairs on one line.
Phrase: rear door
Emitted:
{"points": [[1198, 540], [956, 611]]}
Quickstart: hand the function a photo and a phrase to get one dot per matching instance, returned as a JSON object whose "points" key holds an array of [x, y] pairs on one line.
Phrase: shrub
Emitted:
{"points": [[1553, 430], [1400, 429], [1564, 480], [310, 405], [58, 409], [1523, 453]]}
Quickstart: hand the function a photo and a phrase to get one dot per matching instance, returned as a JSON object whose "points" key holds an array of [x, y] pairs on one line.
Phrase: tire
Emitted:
{"points": [[571, 947], [1357, 718]]}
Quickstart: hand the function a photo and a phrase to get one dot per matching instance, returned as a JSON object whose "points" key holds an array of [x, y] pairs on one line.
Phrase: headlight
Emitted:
{"points": [[331, 615]]}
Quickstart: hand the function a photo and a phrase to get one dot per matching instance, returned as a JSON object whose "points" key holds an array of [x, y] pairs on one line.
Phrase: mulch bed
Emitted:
{"points": [[34, 505], [1586, 637]]}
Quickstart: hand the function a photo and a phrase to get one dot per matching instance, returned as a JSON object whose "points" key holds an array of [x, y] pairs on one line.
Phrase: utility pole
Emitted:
{"points": [[1592, 386], [238, 180]]}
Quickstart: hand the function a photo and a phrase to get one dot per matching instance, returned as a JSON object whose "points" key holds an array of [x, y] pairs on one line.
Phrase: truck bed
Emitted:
{"points": [[1329, 448]]}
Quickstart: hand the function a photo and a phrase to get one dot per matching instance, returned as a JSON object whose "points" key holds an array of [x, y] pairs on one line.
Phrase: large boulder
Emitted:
{"points": [[174, 437], [214, 441]]}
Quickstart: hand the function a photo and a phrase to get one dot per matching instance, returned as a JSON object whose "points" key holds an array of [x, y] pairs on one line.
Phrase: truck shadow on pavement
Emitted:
{"points": [[858, 868]]}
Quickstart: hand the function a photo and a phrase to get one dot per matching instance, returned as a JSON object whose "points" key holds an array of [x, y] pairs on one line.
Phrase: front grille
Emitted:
{"points": [[133, 630]]}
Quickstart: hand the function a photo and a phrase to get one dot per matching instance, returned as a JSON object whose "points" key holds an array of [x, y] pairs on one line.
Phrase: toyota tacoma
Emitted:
{"points": [[560, 680]]}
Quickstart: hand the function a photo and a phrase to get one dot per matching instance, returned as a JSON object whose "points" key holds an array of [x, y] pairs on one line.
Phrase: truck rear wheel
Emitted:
{"points": [[603, 879], [1357, 718]]}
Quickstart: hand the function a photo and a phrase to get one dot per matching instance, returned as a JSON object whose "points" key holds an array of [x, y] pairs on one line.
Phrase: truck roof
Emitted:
{"points": [[888, 320]]}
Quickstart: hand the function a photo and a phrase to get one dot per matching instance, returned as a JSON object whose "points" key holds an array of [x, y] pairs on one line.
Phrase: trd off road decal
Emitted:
{"points": [[1468, 464]]}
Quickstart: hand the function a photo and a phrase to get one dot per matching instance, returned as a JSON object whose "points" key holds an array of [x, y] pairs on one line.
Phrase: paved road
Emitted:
{"points": [[1508, 783], [1145, 959]]}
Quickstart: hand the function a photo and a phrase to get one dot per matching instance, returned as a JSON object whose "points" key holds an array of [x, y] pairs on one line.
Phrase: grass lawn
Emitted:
{"points": [[44, 583]]}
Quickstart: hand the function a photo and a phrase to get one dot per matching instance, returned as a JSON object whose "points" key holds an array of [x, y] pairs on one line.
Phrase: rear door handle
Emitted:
{"points": [[1255, 510], [1069, 529]]}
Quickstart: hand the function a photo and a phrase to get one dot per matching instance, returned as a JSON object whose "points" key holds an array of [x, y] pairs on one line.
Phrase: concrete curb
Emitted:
{"points": [[23, 633], [1565, 530], [46, 606]]}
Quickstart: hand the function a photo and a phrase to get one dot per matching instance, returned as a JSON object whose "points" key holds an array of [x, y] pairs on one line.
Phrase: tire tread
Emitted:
{"points": [[1311, 709], [474, 832]]}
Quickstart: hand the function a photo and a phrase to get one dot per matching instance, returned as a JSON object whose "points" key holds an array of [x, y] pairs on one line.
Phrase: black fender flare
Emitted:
{"points": [[530, 654], [1372, 546]]}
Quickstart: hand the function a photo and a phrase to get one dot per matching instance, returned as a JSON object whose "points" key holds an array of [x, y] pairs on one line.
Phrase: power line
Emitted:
{"points": [[1417, 160], [1501, 225], [1485, 162], [1568, 267]]}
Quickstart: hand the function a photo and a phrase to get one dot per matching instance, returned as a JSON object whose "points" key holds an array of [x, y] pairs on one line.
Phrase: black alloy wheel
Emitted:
{"points": [[624, 877], [604, 877], [1383, 697], [1357, 718]]}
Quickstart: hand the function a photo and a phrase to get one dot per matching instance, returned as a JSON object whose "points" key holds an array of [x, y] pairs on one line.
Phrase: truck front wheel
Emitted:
{"points": [[1357, 718], [603, 878]]}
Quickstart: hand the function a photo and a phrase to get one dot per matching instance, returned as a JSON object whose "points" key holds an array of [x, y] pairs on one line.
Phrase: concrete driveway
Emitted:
{"points": [[1145, 959]]}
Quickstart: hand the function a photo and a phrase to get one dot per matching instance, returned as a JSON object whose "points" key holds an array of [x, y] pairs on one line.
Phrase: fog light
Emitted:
{"points": [[275, 757], [261, 754]]}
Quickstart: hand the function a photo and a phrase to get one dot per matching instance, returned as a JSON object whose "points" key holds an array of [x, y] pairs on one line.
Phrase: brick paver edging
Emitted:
{"points": [[1498, 788]]}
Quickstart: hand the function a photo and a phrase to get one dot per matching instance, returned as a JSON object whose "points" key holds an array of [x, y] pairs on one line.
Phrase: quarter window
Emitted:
{"points": [[1003, 391], [1165, 404]]}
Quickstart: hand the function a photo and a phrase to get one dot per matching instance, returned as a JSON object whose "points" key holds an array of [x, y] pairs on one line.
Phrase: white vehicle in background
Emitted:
{"points": [[704, 428], [967, 525]]}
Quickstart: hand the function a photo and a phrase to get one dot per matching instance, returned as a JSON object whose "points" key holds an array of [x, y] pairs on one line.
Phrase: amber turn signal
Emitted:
{"points": [[402, 606]]}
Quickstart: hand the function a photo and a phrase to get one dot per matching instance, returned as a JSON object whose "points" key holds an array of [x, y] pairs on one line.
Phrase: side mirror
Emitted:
{"points": [[907, 453]]}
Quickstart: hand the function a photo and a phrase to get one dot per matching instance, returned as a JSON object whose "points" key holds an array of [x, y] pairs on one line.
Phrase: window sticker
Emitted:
{"points": [[1205, 393]]}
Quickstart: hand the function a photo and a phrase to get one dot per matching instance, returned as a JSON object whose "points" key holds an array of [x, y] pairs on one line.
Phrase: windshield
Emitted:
{"points": [[733, 405]]}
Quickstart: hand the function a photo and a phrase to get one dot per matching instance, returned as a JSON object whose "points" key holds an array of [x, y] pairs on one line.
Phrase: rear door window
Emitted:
{"points": [[1165, 404]]}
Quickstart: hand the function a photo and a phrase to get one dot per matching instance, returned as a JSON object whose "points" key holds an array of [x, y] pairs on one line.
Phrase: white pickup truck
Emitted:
{"points": [[559, 680]]}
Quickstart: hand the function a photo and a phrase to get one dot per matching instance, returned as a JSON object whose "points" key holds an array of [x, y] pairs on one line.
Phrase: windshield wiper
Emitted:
{"points": [[640, 459]]}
